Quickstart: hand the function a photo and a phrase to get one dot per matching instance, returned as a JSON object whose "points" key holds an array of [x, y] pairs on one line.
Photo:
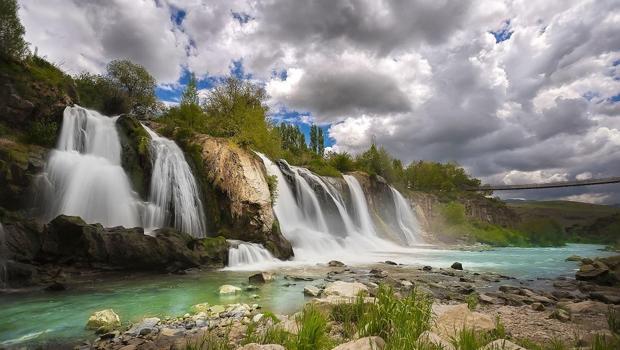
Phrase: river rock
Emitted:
{"points": [[560, 315], [312, 291], [345, 289], [427, 268], [451, 319], [103, 321], [574, 258], [261, 277], [146, 326], [202, 307], [227, 289], [254, 346], [486, 299], [366, 343], [537, 307], [378, 273], [389, 262], [608, 297], [502, 344], [335, 263], [431, 338], [457, 266]]}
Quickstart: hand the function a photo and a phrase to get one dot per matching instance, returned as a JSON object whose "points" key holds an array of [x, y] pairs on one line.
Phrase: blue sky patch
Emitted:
{"points": [[504, 33], [296, 118]]}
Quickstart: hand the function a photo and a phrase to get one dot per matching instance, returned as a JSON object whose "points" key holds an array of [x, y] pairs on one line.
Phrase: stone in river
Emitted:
{"points": [[103, 321], [227, 289], [457, 266], [261, 277], [335, 263]]}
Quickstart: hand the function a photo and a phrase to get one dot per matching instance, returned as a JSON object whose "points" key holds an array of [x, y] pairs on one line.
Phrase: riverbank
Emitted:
{"points": [[51, 318]]}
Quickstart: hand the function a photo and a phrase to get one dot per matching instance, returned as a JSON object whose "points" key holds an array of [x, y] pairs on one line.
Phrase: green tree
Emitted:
{"points": [[136, 82], [190, 95], [320, 142], [12, 44], [343, 162], [313, 138]]}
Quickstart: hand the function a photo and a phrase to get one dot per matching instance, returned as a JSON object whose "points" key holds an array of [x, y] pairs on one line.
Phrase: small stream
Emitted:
{"points": [[41, 317]]}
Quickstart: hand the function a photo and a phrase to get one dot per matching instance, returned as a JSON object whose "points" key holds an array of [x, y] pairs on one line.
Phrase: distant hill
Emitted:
{"points": [[566, 213]]}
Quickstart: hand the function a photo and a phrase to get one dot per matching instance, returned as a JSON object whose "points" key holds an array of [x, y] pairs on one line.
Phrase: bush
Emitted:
{"points": [[42, 132], [453, 213]]}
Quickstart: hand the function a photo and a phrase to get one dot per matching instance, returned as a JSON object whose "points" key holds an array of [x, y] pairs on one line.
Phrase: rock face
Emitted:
{"points": [[237, 196], [603, 271], [69, 241], [136, 153], [19, 166]]}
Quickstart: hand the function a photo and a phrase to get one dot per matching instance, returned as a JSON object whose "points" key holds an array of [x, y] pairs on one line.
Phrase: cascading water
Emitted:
{"points": [[407, 222], [243, 254], [314, 241], [174, 195], [84, 173]]}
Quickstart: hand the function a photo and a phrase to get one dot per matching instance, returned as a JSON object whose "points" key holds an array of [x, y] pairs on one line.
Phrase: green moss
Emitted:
{"points": [[42, 132], [213, 243]]}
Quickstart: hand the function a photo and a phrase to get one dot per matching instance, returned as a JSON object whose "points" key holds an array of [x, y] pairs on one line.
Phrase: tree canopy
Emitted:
{"points": [[12, 44]]}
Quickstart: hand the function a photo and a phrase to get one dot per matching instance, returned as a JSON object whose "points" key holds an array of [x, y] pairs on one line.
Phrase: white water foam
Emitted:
{"points": [[406, 219], [174, 197], [242, 255]]}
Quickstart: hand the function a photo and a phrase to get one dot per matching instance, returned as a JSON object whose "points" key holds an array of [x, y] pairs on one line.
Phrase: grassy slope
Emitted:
{"points": [[566, 213]]}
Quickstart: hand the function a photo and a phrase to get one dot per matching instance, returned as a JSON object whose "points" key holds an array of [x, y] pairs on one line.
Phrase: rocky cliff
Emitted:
{"points": [[238, 202]]}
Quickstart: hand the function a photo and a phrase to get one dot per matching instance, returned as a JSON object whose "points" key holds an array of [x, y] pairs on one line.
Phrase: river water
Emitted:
{"points": [[60, 317]]}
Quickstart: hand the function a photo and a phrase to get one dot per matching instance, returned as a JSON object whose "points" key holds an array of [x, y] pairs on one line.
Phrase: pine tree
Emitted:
{"points": [[190, 95], [321, 142], [313, 138]]}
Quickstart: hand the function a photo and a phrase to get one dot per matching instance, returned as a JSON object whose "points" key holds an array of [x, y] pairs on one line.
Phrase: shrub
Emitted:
{"points": [[42, 132], [272, 183]]}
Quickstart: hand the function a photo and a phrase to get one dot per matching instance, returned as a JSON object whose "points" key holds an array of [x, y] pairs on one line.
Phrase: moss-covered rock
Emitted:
{"points": [[136, 153], [20, 165]]}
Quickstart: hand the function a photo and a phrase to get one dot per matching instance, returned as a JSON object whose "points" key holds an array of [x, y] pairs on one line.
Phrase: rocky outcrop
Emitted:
{"points": [[136, 153], [20, 165], [237, 197], [69, 241]]}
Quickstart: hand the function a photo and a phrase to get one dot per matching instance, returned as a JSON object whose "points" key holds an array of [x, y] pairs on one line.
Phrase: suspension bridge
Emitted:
{"points": [[575, 183]]}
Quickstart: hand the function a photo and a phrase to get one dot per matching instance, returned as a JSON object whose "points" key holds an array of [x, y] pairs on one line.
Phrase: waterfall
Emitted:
{"points": [[243, 253], [407, 221], [174, 197], [4, 256], [84, 174], [359, 204]]}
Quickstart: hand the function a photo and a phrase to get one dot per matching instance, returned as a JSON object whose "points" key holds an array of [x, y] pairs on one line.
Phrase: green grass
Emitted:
{"points": [[210, 341], [566, 213]]}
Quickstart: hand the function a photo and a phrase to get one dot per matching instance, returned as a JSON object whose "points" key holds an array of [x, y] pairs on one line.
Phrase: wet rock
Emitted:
{"points": [[335, 263], [312, 291], [170, 332], [486, 299], [344, 289], [227, 289], [427, 268], [510, 289], [457, 266], [502, 344], [452, 319], [366, 343], [110, 335], [202, 307], [251, 288], [378, 273], [299, 278], [606, 297], [389, 262], [574, 258], [586, 261], [431, 338], [55, 287], [103, 321], [537, 307], [261, 277], [254, 346]]}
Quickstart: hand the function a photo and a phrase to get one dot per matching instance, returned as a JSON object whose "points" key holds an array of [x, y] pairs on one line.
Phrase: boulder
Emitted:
{"points": [[574, 258], [146, 326], [202, 307], [451, 319], [435, 339], [607, 297], [103, 321], [312, 291], [486, 299], [457, 266], [254, 346], [377, 273], [537, 307], [344, 289], [227, 289], [502, 344], [427, 268], [366, 343], [389, 262], [261, 277], [560, 315], [335, 263]]}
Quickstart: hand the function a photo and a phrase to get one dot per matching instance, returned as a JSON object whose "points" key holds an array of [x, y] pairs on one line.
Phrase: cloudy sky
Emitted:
{"points": [[515, 91]]}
